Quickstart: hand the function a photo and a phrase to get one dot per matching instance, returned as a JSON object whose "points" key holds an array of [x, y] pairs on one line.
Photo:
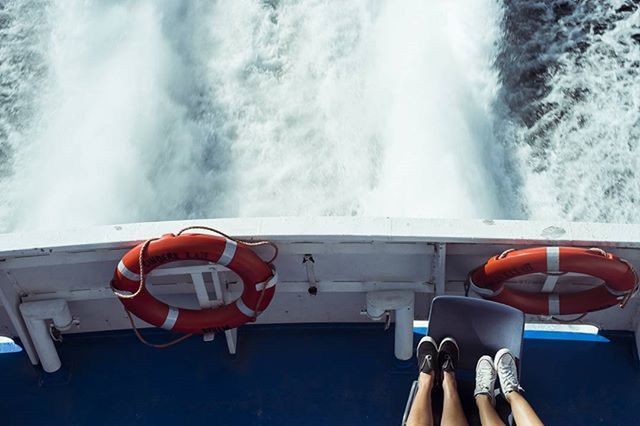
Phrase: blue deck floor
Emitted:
{"points": [[294, 375]]}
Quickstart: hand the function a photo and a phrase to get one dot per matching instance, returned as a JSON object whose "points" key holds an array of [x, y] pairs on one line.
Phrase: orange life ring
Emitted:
{"points": [[257, 276], [620, 279]]}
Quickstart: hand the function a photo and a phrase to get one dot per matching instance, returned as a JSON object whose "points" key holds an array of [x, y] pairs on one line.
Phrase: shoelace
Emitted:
{"points": [[485, 377], [424, 362], [448, 363]]}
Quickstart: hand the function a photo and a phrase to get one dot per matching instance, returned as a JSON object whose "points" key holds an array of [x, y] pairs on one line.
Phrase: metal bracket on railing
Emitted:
{"points": [[387, 320], [311, 274], [56, 332], [219, 300], [386, 316], [197, 274]]}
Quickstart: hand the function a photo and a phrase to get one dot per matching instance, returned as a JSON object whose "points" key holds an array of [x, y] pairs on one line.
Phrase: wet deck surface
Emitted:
{"points": [[294, 375]]}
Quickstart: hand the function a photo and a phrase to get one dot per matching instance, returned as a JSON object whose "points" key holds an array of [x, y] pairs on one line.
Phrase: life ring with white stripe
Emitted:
{"points": [[620, 279], [258, 277]]}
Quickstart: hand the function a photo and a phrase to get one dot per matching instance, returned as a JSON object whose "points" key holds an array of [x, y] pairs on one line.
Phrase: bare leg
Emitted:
{"points": [[420, 412], [505, 364], [523, 413], [452, 413], [488, 414]]}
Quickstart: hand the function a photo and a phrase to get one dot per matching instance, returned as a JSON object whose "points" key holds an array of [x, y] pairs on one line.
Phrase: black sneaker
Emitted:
{"points": [[427, 353], [448, 354]]}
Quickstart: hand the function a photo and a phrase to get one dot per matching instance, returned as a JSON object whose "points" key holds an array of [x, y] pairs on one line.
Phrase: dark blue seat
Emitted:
{"points": [[480, 327]]}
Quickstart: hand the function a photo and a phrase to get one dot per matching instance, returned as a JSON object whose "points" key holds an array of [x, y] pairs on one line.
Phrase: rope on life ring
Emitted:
{"points": [[259, 279], [619, 277]]}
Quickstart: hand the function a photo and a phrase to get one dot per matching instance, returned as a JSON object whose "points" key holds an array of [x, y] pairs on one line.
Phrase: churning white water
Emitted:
{"points": [[119, 111], [580, 155]]}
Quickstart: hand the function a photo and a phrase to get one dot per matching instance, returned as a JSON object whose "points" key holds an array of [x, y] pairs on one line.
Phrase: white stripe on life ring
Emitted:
{"points": [[170, 320], [246, 311], [553, 260], [127, 272], [270, 282], [229, 251], [554, 304], [550, 283]]}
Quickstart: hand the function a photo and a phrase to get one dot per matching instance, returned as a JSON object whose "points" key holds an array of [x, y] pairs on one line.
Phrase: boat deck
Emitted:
{"points": [[296, 374]]}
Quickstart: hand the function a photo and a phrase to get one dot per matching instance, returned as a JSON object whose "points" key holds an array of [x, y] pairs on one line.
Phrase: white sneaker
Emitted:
{"points": [[505, 365], [485, 378]]}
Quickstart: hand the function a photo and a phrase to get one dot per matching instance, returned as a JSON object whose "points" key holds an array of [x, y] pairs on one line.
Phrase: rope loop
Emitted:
{"points": [[634, 290], [505, 253], [244, 242], [256, 311], [141, 285], [154, 345]]}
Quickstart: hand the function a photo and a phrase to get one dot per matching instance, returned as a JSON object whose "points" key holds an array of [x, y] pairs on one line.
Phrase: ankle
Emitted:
{"points": [[449, 380], [482, 399], [426, 380], [510, 396]]}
